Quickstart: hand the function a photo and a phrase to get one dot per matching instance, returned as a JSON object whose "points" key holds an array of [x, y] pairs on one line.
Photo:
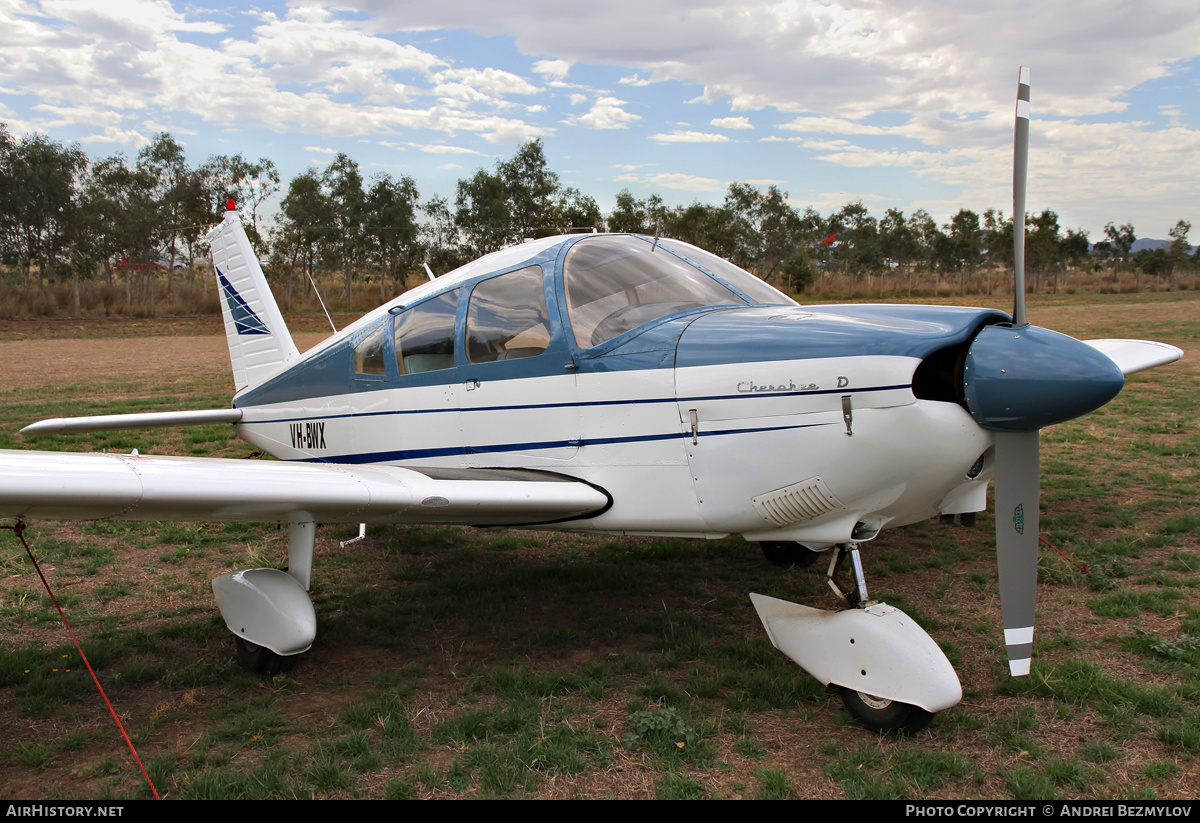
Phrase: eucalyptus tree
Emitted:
{"points": [[346, 244], [531, 188], [1043, 248], [898, 242], [306, 216], [391, 227], [997, 242], [629, 214], [39, 179], [439, 236], [858, 233], [575, 211], [482, 213], [929, 239], [122, 215], [703, 225], [1121, 239], [248, 184], [966, 245], [1076, 249], [164, 162], [1177, 251], [765, 234]]}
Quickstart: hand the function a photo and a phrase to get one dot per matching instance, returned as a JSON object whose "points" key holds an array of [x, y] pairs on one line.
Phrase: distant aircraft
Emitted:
{"points": [[620, 384]]}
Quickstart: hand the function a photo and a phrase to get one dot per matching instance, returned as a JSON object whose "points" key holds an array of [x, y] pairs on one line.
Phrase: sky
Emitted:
{"points": [[898, 104]]}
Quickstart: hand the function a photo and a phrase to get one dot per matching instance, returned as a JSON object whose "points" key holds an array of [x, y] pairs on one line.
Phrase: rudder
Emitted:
{"points": [[259, 341]]}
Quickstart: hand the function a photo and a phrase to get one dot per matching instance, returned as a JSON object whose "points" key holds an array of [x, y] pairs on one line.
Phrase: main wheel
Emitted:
{"points": [[882, 715], [787, 553], [261, 660]]}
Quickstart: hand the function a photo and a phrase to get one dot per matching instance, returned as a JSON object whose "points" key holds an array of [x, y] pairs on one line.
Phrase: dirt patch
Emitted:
{"points": [[445, 625]]}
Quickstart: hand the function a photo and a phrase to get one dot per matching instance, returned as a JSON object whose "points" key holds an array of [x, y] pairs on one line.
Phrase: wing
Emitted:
{"points": [[58, 485], [1136, 355]]}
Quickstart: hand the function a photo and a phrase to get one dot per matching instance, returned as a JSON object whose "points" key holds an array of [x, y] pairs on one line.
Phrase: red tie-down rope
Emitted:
{"points": [[19, 530]]}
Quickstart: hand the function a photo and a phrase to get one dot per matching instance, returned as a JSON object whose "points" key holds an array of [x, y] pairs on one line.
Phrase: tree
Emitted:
{"points": [[439, 236], [966, 245], [1043, 248], [575, 211], [898, 242], [346, 244], [1177, 252], [164, 163], [391, 226], [1121, 240], [858, 235], [531, 189], [306, 214], [482, 213], [248, 184], [39, 180], [122, 218], [629, 215]]}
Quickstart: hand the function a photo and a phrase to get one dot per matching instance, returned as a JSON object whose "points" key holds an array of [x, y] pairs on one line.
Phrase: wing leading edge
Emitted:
{"points": [[56, 485]]}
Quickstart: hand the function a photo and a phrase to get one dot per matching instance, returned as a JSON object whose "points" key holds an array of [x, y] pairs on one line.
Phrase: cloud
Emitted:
{"points": [[605, 113], [678, 136], [552, 69], [443, 149], [674, 180], [731, 123]]}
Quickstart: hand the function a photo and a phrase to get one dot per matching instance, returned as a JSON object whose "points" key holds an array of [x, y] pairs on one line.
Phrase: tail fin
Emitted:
{"points": [[259, 342]]}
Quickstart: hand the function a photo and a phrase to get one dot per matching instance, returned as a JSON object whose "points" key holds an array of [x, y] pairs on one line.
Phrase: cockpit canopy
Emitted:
{"points": [[615, 283]]}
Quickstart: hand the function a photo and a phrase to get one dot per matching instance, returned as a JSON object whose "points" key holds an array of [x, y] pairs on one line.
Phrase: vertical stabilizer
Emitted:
{"points": [[259, 342]]}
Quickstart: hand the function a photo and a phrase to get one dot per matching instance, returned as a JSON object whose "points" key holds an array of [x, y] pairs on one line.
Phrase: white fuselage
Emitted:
{"points": [[759, 428]]}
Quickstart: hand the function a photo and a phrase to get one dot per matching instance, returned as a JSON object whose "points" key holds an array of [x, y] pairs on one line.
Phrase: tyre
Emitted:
{"points": [[787, 553], [882, 715], [261, 660]]}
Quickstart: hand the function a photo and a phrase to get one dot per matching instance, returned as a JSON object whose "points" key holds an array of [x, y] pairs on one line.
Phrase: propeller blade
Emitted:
{"points": [[1018, 479], [1020, 173]]}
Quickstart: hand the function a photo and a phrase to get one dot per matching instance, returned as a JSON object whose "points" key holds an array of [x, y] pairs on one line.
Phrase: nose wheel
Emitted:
{"points": [[261, 660], [882, 715], [788, 553]]}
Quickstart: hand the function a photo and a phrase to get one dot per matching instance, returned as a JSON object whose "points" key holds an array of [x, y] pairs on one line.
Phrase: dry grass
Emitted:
{"points": [[457, 663]]}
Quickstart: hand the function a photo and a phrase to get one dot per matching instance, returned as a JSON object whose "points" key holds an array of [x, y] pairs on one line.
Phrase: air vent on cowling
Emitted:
{"points": [[796, 503]]}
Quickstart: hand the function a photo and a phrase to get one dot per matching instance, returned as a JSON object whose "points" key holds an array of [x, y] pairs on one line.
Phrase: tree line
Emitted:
{"points": [[131, 226]]}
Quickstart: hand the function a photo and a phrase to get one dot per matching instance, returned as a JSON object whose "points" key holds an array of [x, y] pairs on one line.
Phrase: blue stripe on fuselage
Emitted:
{"points": [[582, 404], [407, 455]]}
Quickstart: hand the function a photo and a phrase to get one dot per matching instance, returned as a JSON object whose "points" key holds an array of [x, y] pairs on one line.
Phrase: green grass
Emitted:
{"points": [[453, 662]]}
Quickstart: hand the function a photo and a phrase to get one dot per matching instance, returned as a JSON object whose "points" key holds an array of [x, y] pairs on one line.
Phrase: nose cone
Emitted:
{"points": [[1021, 379]]}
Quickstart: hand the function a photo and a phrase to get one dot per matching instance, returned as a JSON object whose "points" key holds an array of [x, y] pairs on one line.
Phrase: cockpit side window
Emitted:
{"points": [[507, 317], [618, 283], [425, 335], [368, 355]]}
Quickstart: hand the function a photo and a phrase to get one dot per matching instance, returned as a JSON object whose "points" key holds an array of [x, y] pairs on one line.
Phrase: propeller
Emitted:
{"points": [[1018, 378]]}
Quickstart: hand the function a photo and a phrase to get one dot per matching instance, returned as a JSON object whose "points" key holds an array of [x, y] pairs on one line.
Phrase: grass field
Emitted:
{"points": [[465, 663]]}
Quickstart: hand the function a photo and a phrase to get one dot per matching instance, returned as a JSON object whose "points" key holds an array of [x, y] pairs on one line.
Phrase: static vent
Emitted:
{"points": [[793, 504]]}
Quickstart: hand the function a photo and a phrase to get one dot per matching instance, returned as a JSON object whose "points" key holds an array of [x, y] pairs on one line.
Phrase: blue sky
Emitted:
{"points": [[905, 105]]}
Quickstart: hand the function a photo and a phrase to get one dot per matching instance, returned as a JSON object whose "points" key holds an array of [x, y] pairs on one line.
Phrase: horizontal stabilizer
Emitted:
{"points": [[146, 420], [58, 485], [1136, 355]]}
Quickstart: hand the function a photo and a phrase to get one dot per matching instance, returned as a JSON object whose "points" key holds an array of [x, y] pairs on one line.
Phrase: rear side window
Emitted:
{"points": [[507, 317], [425, 335]]}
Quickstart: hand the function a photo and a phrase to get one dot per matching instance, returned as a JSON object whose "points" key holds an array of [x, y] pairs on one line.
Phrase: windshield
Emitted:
{"points": [[617, 283], [742, 280]]}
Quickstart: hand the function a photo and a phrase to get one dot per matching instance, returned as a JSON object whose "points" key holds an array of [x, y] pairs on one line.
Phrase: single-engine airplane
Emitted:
{"points": [[623, 384]]}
